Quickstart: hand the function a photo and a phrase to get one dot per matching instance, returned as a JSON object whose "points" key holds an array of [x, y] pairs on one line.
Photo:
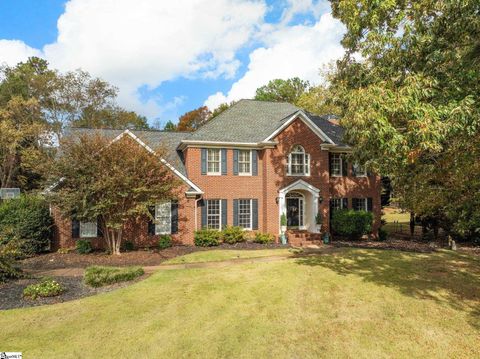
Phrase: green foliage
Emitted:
{"points": [[350, 223], [97, 276], [283, 219], [170, 126], [318, 100], [83, 246], [411, 103], [233, 234], [207, 238], [48, 287], [8, 253], [221, 108], [128, 246], [26, 220], [319, 218], [164, 241], [382, 234], [279, 90], [264, 238]]}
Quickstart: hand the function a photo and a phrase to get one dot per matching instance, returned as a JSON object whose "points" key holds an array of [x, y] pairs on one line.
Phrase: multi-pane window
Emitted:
{"points": [[213, 160], [360, 204], [298, 162], [244, 162], [336, 164], [359, 170], [338, 203], [88, 229], [214, 214], [163, 218], [245, 213]]}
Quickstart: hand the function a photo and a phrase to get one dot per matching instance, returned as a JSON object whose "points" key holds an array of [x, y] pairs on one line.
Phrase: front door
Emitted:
{"points": [[294, 212]]}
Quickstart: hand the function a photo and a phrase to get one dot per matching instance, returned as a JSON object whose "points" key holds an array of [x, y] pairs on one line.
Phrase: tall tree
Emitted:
{"points": [[411, 103], [192, 120], [318, 100], [279, 90], [113, 182], [221, 108], [170, 126]]}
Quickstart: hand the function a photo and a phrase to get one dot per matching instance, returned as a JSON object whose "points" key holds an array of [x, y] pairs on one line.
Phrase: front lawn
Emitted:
{"points": [[354, 303], [215, 255]]}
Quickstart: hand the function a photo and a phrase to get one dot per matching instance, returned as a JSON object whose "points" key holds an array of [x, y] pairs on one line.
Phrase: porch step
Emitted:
{"points": [[303, 238]]}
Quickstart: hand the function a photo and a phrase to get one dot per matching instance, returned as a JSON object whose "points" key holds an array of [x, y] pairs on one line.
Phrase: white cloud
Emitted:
{"points": [[132, 43], [15, 51], [288, 52]]}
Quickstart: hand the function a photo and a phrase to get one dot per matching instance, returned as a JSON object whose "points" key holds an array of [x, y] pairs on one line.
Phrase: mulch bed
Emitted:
{"points": [[11, 293], [391, 244]]}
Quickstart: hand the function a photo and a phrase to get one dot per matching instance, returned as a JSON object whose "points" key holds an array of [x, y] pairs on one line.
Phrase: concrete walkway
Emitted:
{"points": [[78, 272]]}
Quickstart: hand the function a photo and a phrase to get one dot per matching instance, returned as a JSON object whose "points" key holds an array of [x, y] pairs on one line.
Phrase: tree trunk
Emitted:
{"points": [[117, 241]]}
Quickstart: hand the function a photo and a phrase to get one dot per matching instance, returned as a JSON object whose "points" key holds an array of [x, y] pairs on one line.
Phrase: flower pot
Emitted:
{"points": [[319, 228], [283, 229]]}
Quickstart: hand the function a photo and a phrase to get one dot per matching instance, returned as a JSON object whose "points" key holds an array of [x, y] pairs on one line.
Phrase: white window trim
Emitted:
{"points": [[251, 164], [365, 206], [341, 166], [341, 203], [157, 231], [306, 164], [220, 224], [251, 214], [219, 173], [364, 174], [82, 235]]}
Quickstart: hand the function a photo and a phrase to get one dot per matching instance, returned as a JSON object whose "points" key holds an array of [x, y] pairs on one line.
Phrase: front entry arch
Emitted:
{"points": [[295, 210]]}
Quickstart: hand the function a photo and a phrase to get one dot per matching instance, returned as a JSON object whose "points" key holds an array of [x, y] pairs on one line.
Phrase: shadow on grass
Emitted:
{"points": [[446, 277]]}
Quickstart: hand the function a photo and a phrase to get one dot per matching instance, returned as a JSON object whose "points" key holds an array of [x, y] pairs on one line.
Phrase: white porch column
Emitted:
{"points": [[282, 208], [315, 197]]}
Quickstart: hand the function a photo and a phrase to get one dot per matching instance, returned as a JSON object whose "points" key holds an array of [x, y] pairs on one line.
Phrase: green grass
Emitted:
{"points": [[226, 254], [98, 276], [396, 216], [351, 304]]}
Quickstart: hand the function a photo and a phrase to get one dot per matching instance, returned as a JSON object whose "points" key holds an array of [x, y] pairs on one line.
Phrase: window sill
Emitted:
{"points": [[245, 174], [297, 175], [214, 174]]}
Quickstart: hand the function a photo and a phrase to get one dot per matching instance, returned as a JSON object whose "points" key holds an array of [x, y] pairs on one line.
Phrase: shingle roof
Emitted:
{"points": [[248, 121], [251, 121], [168, 141]]}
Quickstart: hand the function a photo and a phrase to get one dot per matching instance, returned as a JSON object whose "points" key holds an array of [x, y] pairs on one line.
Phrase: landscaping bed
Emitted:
{"points": [[391, 244]]}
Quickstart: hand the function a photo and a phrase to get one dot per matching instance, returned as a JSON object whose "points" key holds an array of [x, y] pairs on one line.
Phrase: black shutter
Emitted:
{"points": [[151, 222], [224, 161], [254, 214], [330, 164], [235, 212], [99, 228], [174, 217], [75, 228], [345, 203], [224, 213], [203, 203], [204, 161], [235, 162], [369, 204], [344, 166], [355, 204], [254, 163]]}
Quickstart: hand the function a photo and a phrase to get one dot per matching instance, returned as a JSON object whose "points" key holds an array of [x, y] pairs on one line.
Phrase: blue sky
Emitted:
{"points": [[169, 58]]}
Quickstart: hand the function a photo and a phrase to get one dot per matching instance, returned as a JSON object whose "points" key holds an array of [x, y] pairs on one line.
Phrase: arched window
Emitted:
{"points": [[298, 162]]}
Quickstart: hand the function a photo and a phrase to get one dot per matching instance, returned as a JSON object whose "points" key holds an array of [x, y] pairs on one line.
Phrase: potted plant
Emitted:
{"points": [[283, 222], [318, 221]]}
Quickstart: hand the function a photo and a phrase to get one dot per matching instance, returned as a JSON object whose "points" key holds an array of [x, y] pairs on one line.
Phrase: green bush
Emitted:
{"points": [[46, 288], [8, 269], [84, 246], [165, 241], [264, 238], [352, 224], [382, 234], [207, 238], [128, 246], [97, 276], [27, 220], [233, 234]]}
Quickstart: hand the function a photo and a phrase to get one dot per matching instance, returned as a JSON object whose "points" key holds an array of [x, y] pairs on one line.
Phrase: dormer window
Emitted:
{"points": [[298, 162]]}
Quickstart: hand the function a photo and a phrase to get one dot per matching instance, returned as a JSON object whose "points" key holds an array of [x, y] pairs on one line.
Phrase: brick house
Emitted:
{"points": [[248, 166]]}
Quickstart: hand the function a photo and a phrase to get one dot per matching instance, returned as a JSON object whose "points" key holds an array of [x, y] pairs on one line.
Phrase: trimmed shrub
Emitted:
{"points": [[233, 234], [207, 238], [97, 276], [128, 246], [84, 246], [165, 241], [264, 238], [352, 224], [47, 287], [8, 270], [382, 234], [27, 220]]}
